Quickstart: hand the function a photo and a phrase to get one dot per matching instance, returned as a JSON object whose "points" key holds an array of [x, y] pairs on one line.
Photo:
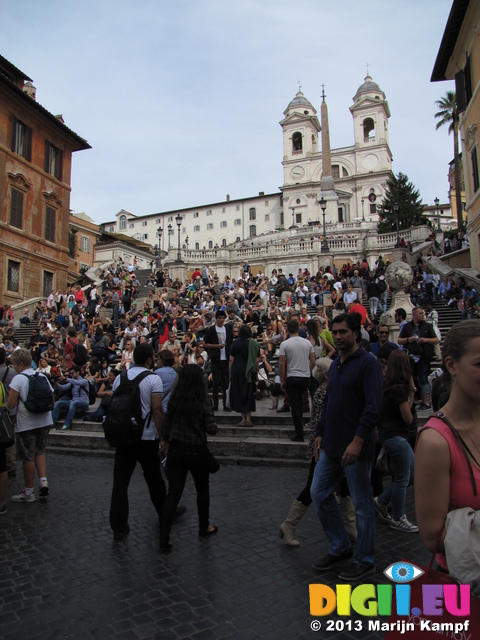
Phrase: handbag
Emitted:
{"points": [[6, 425], [213, 464]]}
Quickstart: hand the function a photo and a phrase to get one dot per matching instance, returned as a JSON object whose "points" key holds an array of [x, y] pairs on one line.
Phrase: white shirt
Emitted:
{"points": [[27, 421], [222, 338]]}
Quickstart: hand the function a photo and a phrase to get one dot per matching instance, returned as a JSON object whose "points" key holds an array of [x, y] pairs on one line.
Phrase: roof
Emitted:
{"points": [[10, 76], [368, 86], [300, 101], [450, 35], [121, 237]]}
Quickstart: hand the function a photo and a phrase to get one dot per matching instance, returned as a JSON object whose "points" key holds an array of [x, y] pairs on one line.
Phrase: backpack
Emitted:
{"points": [[81, 356], [382, 286], [39, 396], [97, 348], [123, 425], [92, 394]]}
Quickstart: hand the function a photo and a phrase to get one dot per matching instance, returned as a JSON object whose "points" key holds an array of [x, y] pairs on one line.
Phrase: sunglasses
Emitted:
{"points": [[385, 333]]}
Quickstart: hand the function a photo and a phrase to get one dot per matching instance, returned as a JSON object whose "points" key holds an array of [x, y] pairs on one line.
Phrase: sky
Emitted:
{"points": [[181, 101]]}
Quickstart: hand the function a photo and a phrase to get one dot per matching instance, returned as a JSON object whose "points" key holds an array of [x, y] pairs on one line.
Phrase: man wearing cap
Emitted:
{"points": [[218, 340]]}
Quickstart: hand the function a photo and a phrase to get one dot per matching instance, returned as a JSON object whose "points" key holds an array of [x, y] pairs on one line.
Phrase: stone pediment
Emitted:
{"points": [[296, 118], [367, 102]]}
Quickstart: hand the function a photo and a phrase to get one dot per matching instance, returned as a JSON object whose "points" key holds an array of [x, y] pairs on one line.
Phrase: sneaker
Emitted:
{"points": [[66, 427], [327, 562], [356, 572], [402, 524], [22, 497], [44, 488], [3, 510], [382, 511], [424, 407]]}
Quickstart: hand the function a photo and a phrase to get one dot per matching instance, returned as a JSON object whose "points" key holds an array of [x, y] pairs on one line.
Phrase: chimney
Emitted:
{"points": [[261, 193], [30, 90], [60, 117], [228, 197]]}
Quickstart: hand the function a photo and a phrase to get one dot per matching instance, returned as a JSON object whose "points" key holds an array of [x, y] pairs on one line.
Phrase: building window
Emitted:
{"points": [[253, 230], [344, 172], [223, 209], [224, 242], [373, 208], [223, 224], [368, 130], [196, 228], [170, 219], [144, 223], [253, 213], [13, 276], [195, 215], [197, 246], [111, 229], [85, 244], [184, 229], [131, 225], [50, 215], [47, 283], [170, 232], [474, 159], [21, 139], [210, 244], [297, 144], [209, 212], [53, 160], [209, 226], [16, 209], [298, 218], [335, 171], [282, 220], [145, 236], [340, 214], [237, 239], [157, 221], [123, 222], [237, 222], [266, 203], [267, 217], [237, 208]]}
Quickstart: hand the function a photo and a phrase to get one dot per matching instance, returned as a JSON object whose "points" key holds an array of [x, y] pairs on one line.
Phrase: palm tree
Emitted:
{"points": [[448, 114]]}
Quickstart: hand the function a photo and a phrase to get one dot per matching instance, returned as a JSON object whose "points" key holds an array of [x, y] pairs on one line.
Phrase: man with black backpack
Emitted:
{"points": [[134, 426], [32, 394]]}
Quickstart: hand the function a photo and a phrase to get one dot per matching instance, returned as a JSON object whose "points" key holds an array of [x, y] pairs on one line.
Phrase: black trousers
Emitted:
{"points": [[181, 459], [296, 387], [146, 453], [220, 377]]}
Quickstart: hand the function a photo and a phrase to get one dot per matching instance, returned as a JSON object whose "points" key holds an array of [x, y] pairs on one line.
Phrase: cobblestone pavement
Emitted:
{"points": [[62, 576]]}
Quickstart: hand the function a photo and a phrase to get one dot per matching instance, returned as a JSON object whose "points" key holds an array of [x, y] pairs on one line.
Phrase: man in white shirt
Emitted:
{"points": [[31, 429], [295, 364], [145, 451]]}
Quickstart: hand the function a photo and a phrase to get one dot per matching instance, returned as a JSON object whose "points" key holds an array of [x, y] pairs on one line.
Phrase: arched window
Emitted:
{"points": [[210, 244], [253, 230], [368, 129], [297, 144], [253, 213], [197, 246], [224, 242], [123, 222], [237, 239]]}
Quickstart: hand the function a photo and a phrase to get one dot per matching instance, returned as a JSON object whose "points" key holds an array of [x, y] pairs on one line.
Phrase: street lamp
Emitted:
{"points": [[293, 225], [169, 234], [178, 220], [325, 248], [396, 209], [159, 236], [437, 202], [363, 211]]}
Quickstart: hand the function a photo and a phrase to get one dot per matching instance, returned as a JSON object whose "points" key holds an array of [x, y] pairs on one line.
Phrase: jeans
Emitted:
{"points": [[373, 302], [402, 462], [73, 407], [296, 387], [181, 459], [420, 371], [146, 453], [326, 480], [383, 301]]}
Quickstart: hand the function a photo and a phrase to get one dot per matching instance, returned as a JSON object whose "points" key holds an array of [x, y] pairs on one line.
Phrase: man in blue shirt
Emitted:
{"points": [[345, 446]]}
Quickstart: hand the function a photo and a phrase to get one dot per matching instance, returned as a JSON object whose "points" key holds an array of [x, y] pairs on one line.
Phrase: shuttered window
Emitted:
{"points": [[21, 139], [13, 276], [16, 209], [50, 224], [53, 160]]}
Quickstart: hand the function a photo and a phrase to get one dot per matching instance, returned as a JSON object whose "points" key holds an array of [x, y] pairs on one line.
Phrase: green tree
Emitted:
{"points": [[401, 192], [448, 114]]}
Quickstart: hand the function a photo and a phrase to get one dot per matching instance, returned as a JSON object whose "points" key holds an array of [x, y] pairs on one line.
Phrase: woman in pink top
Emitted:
{"points": [[443, 477]]}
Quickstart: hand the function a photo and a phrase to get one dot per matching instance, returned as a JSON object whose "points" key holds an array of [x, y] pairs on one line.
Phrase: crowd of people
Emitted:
{"points": [[237, 341]]}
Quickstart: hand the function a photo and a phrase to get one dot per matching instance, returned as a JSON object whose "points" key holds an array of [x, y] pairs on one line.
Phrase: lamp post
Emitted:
{"points": [[363, 210], [437, 202], [293, 225], [169, 234], [396, 209], [178, 220], [159, 236], [325, 248]]}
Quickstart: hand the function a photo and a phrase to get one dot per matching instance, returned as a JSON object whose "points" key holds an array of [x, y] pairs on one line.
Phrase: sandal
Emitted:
{"points": [[241, 424]]}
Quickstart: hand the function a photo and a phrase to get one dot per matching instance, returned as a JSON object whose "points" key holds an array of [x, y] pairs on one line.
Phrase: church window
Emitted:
{"points": [[123, 223], [253, 213], [335, 171], [210, 244], [340, 214], [373, 208], [298, 218], [297, 144], [237, 239], [368, 130]]}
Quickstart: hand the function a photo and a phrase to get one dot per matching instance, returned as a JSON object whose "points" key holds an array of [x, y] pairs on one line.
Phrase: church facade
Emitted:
{"points": [[358, 172]]}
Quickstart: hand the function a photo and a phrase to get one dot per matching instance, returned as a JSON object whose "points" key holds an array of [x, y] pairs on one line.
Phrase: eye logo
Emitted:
{"points": [[403, 572]]}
